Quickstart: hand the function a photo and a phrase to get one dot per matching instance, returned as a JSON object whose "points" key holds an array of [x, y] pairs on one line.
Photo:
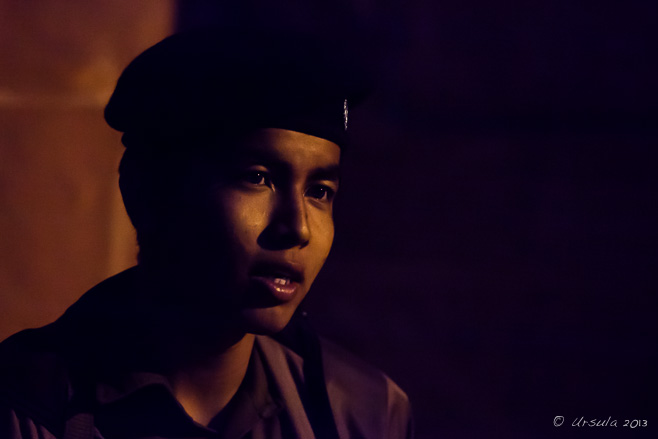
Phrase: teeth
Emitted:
{"points": [[281, 281]]}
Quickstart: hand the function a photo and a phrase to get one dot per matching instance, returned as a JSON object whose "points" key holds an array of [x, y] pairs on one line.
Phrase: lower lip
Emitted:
{"points": [[284, 293]]}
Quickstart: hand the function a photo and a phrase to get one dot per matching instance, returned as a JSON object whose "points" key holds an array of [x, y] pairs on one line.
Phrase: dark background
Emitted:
{"points": [[496, 230]]}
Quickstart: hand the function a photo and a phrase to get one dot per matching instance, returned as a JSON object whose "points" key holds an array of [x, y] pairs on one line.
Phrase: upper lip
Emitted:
{"points": [[283, 269]]}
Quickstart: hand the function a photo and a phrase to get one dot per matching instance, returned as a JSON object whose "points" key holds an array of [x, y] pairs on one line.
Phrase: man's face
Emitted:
{"points": [[266, 228]]}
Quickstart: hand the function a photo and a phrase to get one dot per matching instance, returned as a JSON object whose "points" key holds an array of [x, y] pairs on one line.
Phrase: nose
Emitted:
{"points": [[288, 226]]}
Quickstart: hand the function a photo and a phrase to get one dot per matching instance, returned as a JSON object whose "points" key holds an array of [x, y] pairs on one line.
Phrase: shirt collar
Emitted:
{"points": [[252, 403]]}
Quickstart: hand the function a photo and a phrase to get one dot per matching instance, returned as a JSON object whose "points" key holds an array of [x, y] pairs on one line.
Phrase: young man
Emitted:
{"points": [[233, 144]]}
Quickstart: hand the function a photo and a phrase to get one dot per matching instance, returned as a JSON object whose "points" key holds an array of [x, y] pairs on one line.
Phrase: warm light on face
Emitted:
{"points": [[269, 224]]}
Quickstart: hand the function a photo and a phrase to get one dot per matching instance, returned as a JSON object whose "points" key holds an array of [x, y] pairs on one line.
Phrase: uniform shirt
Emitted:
{"points": [[43, 396]]}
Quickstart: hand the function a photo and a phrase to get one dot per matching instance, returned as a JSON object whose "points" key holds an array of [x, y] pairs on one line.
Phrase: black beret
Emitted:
{"points": [[216, 82]]}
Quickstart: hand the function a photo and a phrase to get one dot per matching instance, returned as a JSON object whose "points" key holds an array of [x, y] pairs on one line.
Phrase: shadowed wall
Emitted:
{"points": [[63, 226]]}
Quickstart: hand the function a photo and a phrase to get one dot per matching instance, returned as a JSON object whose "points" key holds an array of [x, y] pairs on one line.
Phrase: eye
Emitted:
{"points": [[320, 192], [257, 178]]}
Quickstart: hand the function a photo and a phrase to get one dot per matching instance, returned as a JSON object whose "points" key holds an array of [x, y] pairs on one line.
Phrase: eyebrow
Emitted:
{"points": [[330, 172]]}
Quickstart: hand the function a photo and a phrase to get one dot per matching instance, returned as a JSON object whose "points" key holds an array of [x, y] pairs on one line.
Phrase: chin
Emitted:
{"points": [[265, 321]]}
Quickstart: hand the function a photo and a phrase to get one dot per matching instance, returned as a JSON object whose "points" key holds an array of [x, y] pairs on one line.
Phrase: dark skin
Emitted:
{"points": [[262, 234]]}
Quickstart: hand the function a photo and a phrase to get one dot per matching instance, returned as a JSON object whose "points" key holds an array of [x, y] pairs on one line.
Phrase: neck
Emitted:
{"points": [[205, 387], [203, 353]]}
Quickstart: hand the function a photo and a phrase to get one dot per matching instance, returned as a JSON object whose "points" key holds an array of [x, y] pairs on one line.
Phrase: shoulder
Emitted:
{"points": [[34, 386], [363, 395], [364, 401], [40, 367]]}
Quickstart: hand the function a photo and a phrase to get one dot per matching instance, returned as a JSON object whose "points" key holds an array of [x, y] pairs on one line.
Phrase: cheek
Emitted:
{"points": [[240, 219], [323, 240]]}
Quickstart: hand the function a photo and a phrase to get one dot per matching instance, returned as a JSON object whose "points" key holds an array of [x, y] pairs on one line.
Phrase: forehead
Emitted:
{"points": [[275, 146]]}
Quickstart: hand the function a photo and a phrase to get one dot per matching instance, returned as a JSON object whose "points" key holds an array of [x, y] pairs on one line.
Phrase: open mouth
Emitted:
{"points": [[281, 289], [282, 273], [280, 280]]}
